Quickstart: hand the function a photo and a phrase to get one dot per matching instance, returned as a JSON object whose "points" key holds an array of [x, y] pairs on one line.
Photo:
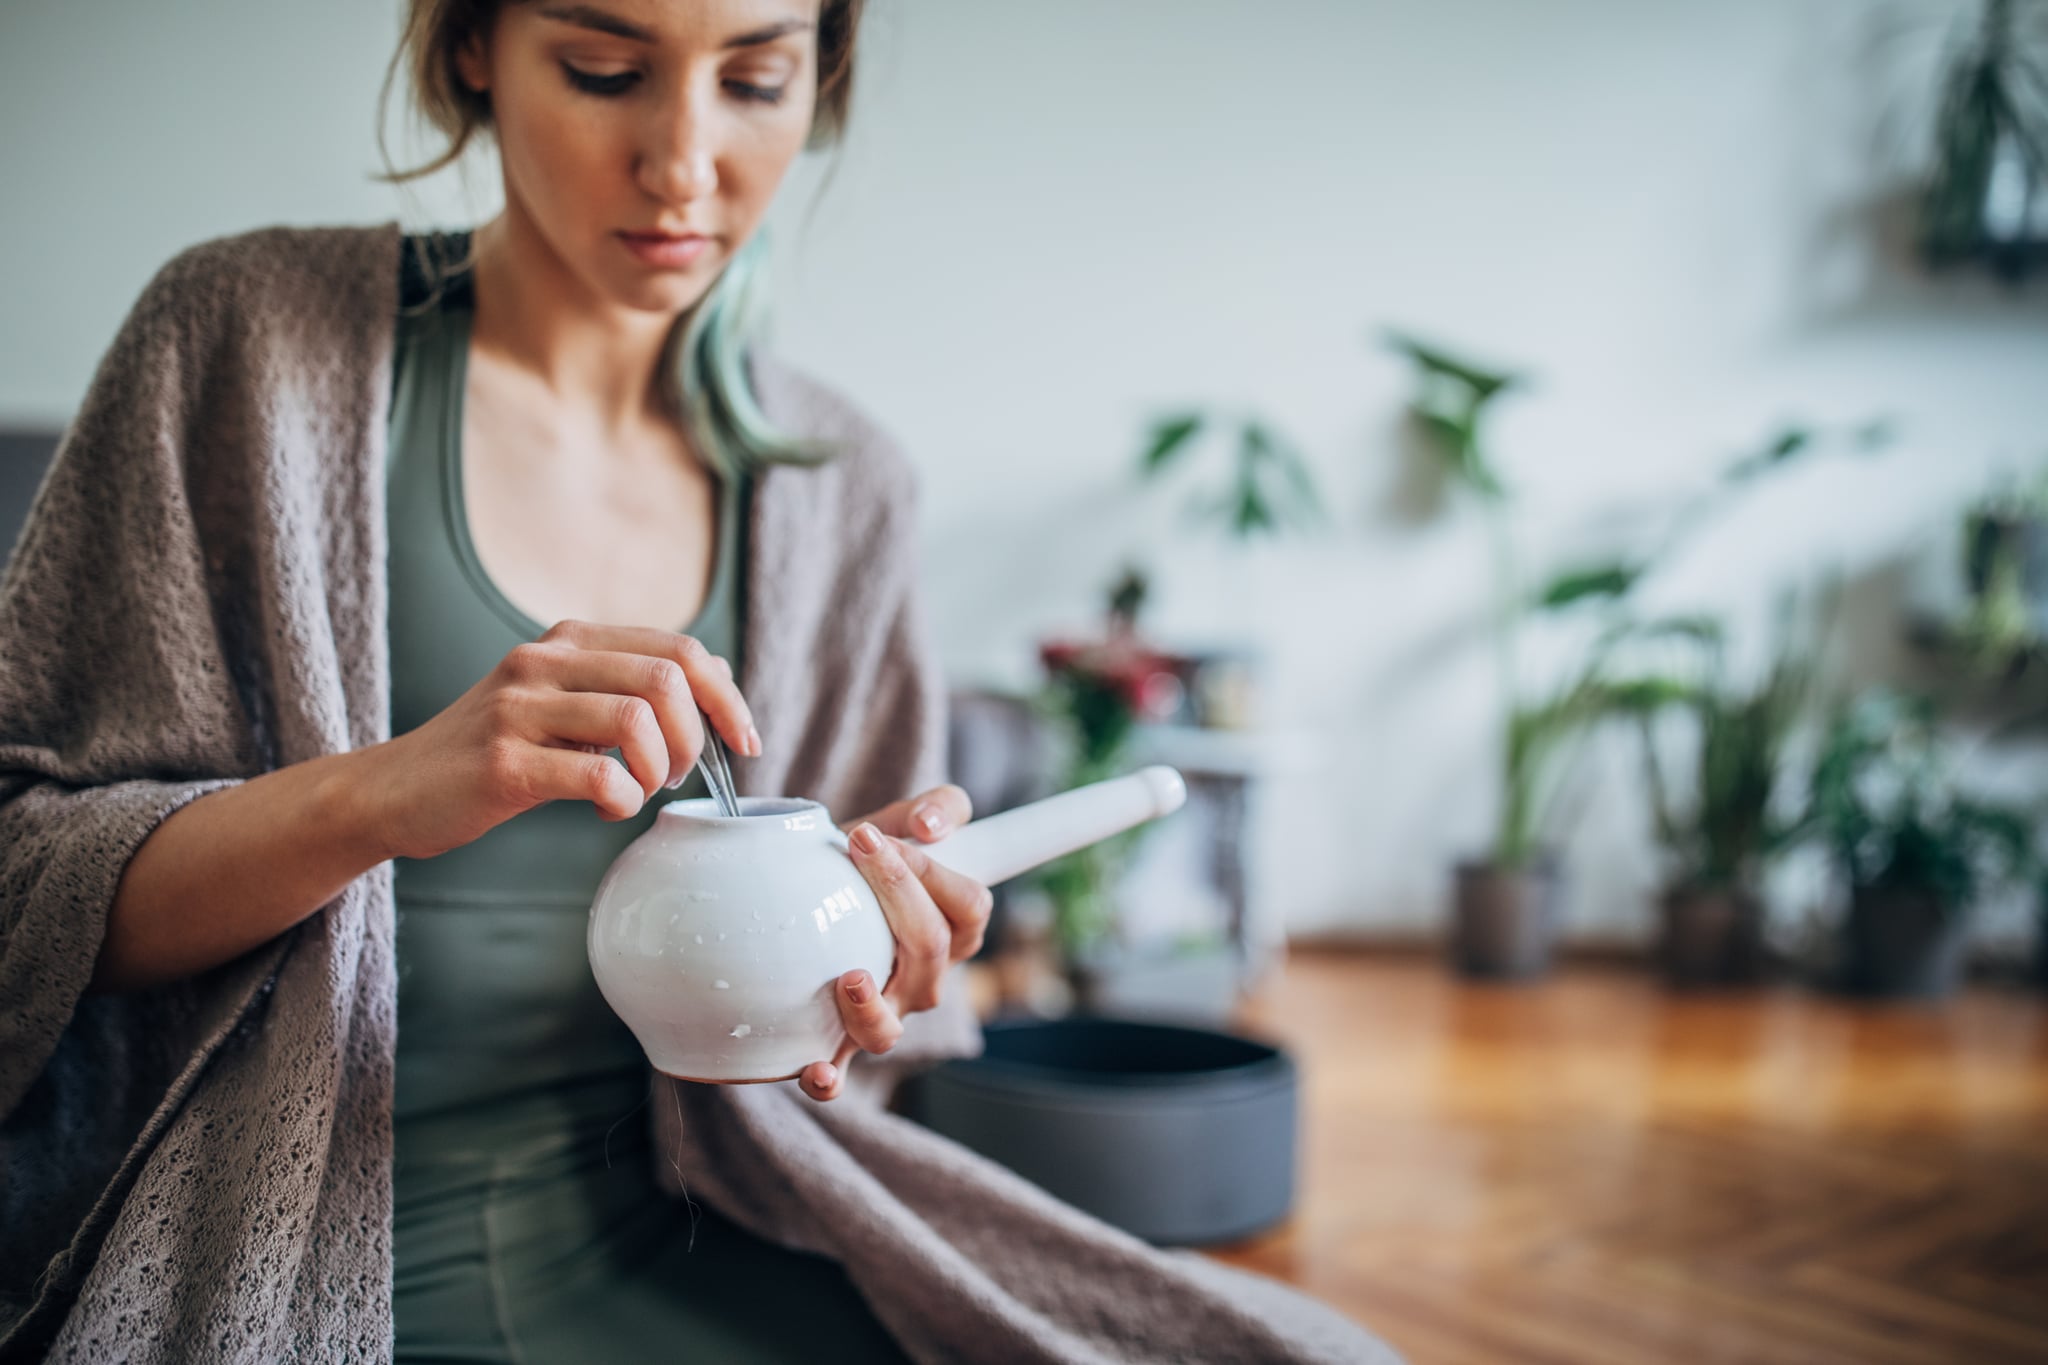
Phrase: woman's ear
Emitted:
{"points": [[472, 64]]}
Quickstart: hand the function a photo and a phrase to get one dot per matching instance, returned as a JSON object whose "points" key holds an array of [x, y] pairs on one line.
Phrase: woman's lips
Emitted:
{"points": [[665, 251]]}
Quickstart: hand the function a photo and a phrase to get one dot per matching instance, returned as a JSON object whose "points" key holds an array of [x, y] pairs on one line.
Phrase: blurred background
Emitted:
{"points": [[1568, 483]]}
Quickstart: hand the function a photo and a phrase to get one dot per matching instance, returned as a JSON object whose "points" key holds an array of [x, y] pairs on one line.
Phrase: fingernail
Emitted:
{"points": [[828, 1076], [680, 776], [860, 989], [753, 749], [930, 821], [867, 838]]}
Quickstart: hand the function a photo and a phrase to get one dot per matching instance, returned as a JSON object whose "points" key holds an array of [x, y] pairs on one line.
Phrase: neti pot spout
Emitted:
{"points": [[998, 847]]}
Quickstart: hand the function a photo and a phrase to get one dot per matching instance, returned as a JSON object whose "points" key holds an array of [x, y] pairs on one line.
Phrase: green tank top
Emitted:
{"points": [[495, 991], [526, 1221]]}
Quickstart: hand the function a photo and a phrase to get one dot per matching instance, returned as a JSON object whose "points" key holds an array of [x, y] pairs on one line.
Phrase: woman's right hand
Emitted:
{"points": [[539, 727]]}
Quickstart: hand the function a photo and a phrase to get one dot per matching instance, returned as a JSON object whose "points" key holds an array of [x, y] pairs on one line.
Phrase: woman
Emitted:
{"points": [[287, 738]]}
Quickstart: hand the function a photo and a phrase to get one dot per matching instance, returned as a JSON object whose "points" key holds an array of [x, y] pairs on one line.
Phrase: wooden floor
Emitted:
{"points": [[1593, 1170]]}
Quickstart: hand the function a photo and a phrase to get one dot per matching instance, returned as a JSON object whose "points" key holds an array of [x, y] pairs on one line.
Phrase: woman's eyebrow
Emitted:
{"points": [[591, 17], [768, 34]]}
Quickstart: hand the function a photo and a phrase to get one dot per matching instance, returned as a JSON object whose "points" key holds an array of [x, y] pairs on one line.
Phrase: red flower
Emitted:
{"points": [[1145, 680]]}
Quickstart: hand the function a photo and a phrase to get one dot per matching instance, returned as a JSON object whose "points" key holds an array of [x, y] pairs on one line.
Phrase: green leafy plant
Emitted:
{"points": [[1097, 694], [1452, 400], [1885, 805], [1267, 487], [1798, 439], [1127, 600], [1452, 405], [1715, 820], [1541, 736], [2005, 539], [1992, 116]]}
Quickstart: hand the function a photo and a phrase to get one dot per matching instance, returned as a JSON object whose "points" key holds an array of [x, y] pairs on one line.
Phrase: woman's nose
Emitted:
{"points": [[679, 163]]}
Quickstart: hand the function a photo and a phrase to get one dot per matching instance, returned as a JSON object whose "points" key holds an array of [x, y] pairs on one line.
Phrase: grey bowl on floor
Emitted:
{"points": [[1181, 1136]]}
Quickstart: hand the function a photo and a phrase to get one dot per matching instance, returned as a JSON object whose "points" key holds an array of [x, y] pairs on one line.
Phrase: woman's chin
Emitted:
{"points": [[663, 291]]}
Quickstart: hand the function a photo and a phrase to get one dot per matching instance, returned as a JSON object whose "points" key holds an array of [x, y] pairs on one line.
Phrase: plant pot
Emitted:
{"points": [[1505, 920], [1903, 943], [2041, 950], [1711, 936]]}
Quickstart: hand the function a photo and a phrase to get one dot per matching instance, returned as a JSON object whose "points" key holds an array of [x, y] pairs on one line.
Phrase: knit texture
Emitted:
{"points": [[203, 1171]]}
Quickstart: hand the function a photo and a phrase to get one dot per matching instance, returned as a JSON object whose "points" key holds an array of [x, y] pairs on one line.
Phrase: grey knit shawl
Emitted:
{"points": [[203, 1171]]}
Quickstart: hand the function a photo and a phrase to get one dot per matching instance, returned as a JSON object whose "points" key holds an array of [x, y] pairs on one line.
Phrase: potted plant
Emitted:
{"points": [[1100, 692], [1987, 198], [1097, 692], [1916, 853], [1507, 906], [2041, 932], [1714, 821], [2005, 573]]}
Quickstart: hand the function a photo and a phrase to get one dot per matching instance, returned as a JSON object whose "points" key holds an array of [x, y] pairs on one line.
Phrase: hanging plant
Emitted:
{"points": [[1988, 196]]}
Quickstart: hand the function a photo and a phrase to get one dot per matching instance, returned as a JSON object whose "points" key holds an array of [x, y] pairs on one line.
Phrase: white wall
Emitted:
{"points": [[1056, 217]]}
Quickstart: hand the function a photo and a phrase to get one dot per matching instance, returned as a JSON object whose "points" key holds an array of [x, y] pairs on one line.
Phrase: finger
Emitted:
{"points": [[872, 1024], [965, 902], [710, 677], [661, 683], [927, 817], [923, 937], [820, 1080], [838, 1063], [534, 773], [602, 721]]}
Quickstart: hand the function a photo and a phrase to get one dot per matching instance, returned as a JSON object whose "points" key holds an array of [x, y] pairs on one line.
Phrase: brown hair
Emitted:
{"points": [[435, 31]]}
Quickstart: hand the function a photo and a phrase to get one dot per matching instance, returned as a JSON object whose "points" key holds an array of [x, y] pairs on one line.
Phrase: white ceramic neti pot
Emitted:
{"points": [[718, 938]]}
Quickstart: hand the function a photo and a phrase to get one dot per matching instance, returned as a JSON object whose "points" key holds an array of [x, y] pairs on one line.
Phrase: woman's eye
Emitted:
{"points": [[761, 94], [591, 83]]}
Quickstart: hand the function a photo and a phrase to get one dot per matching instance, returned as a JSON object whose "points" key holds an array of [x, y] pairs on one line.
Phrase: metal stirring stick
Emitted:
{"points": [[717, 769]]}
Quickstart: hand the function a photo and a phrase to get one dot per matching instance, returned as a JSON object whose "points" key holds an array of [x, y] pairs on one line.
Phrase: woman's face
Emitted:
{"points": [[642, 140]]}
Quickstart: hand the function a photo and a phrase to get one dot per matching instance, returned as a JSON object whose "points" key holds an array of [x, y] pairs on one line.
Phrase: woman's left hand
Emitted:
{"points": [[938, 916]]}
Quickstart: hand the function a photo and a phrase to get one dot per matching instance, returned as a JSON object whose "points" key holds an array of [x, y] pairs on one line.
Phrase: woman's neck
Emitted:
{"points": [[597, 359]]}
